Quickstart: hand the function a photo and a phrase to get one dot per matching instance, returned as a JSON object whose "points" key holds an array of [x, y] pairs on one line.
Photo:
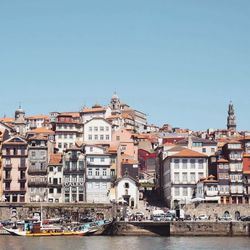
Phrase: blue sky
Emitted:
{"points": [[181, 62]]}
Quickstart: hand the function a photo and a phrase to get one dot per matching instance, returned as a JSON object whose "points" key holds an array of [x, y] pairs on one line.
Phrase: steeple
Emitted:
{"points": [[231, 118], [115, 104]]}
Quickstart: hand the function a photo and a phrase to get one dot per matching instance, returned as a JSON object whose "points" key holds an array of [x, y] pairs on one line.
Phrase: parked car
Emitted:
{"points": [[203, 217], [226, 218], [245, 218]]}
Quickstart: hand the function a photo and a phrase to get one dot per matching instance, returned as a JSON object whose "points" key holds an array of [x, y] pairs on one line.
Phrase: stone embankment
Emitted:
{"points": [[180, 229]]}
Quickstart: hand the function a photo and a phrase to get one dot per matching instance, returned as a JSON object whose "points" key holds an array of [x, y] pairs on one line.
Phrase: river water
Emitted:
{"points": [[123, 243]]}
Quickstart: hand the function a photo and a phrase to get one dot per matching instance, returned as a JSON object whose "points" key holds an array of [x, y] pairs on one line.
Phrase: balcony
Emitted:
{"points": [[7, 179], [73, 171], [23, 179], [37, 183], [22, 167], [37, 171], [56, 185], [7, 167]]}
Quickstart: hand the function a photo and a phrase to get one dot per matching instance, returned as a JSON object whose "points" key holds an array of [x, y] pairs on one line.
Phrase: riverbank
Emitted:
{"points": [[189, 228]]}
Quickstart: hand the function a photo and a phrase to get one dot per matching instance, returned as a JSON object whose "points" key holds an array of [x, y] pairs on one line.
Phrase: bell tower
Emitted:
{"points": [[115, 104], [20, 123], [231, 118]]}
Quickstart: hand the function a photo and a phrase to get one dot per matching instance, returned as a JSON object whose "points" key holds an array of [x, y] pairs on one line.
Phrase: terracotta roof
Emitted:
{"points": [[55, 159], [222, 160], [34, 117], [129, 161], [41, 131], [94, 110], [73, 114], [39, 137], [7, 119], [188, 153]]}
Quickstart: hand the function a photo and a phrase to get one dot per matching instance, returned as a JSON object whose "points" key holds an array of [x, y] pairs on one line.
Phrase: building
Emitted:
{"points": [[37, 168], [14, 164], [98, 181], [37, 121], [223, 180], [200, 145], [97, 111], [68, 131], [233, 152], [55, 178], [97, 131], [20, 122], [74, 178], [231, 118], [207, 190], [181, 172], [127, 190]]}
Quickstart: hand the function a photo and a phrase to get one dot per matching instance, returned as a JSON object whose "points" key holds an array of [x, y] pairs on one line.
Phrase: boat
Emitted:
{"points": [[35, 230], [97, 227]]}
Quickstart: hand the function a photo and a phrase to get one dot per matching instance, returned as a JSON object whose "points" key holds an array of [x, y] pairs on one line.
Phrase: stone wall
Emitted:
{"points": [[216, 209], [52, 210]]}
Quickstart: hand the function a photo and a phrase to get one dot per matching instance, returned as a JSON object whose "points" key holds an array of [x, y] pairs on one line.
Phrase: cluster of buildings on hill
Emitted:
{"points": [[110, 153]]}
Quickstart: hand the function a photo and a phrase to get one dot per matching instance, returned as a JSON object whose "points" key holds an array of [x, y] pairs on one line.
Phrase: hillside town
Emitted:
{"points": [[111, 154]]}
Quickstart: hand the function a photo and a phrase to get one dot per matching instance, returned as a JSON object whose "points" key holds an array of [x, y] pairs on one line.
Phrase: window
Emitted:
{"points": [[126, 185], [33, 153], [107, 128], [51, 190], [176, 164], [59, 136], [65, 136], [97, 172], [200, 175], [102, 159], [90, 129], [51, 169], [192, 177], [176, 177], [95, 128], [89, 172], [101, 137], [184, 177], [59, 190], [101, 128], [91, 149], [91, 159], [60, 145], [200, 162], [81, 165], [96, 137], [112, 172], [71, 136], [212, 150], [104, 172], [192, 161], [184, 163], [90, 137], [176, 191], [107, 137], [204, 150], [184, 191]]}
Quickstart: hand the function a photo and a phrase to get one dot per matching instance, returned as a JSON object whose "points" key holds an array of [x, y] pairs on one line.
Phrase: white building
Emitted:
{"points": [[97, 131], [127, 189], [181, 172], [94, 112], [98, 178], [55, 178]]}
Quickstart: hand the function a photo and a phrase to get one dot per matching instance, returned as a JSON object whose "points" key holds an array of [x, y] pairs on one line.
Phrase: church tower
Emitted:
{"points": [[115, 104], [20, 123], [231, 118]]}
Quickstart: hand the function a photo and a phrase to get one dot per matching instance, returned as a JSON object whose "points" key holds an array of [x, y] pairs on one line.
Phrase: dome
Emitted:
{"points": [[115, 96]]}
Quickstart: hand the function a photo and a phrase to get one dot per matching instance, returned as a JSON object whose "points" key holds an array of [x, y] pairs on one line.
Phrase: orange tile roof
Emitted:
{"points": [[7, 119], [40, 131], [188, 153], [34, 117], [129, 161], [94, 110], [73, 114], [38, 137], [222, 160], [55, 159]]}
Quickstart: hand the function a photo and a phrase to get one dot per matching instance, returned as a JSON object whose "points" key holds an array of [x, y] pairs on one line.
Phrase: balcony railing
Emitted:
{"points": [[22, 167], [7, 167], [37, 183], [7, 179], [23, 179], [37, 171]]}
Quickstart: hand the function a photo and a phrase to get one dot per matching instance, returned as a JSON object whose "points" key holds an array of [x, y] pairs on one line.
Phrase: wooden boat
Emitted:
{"points": [[37, 231]]}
